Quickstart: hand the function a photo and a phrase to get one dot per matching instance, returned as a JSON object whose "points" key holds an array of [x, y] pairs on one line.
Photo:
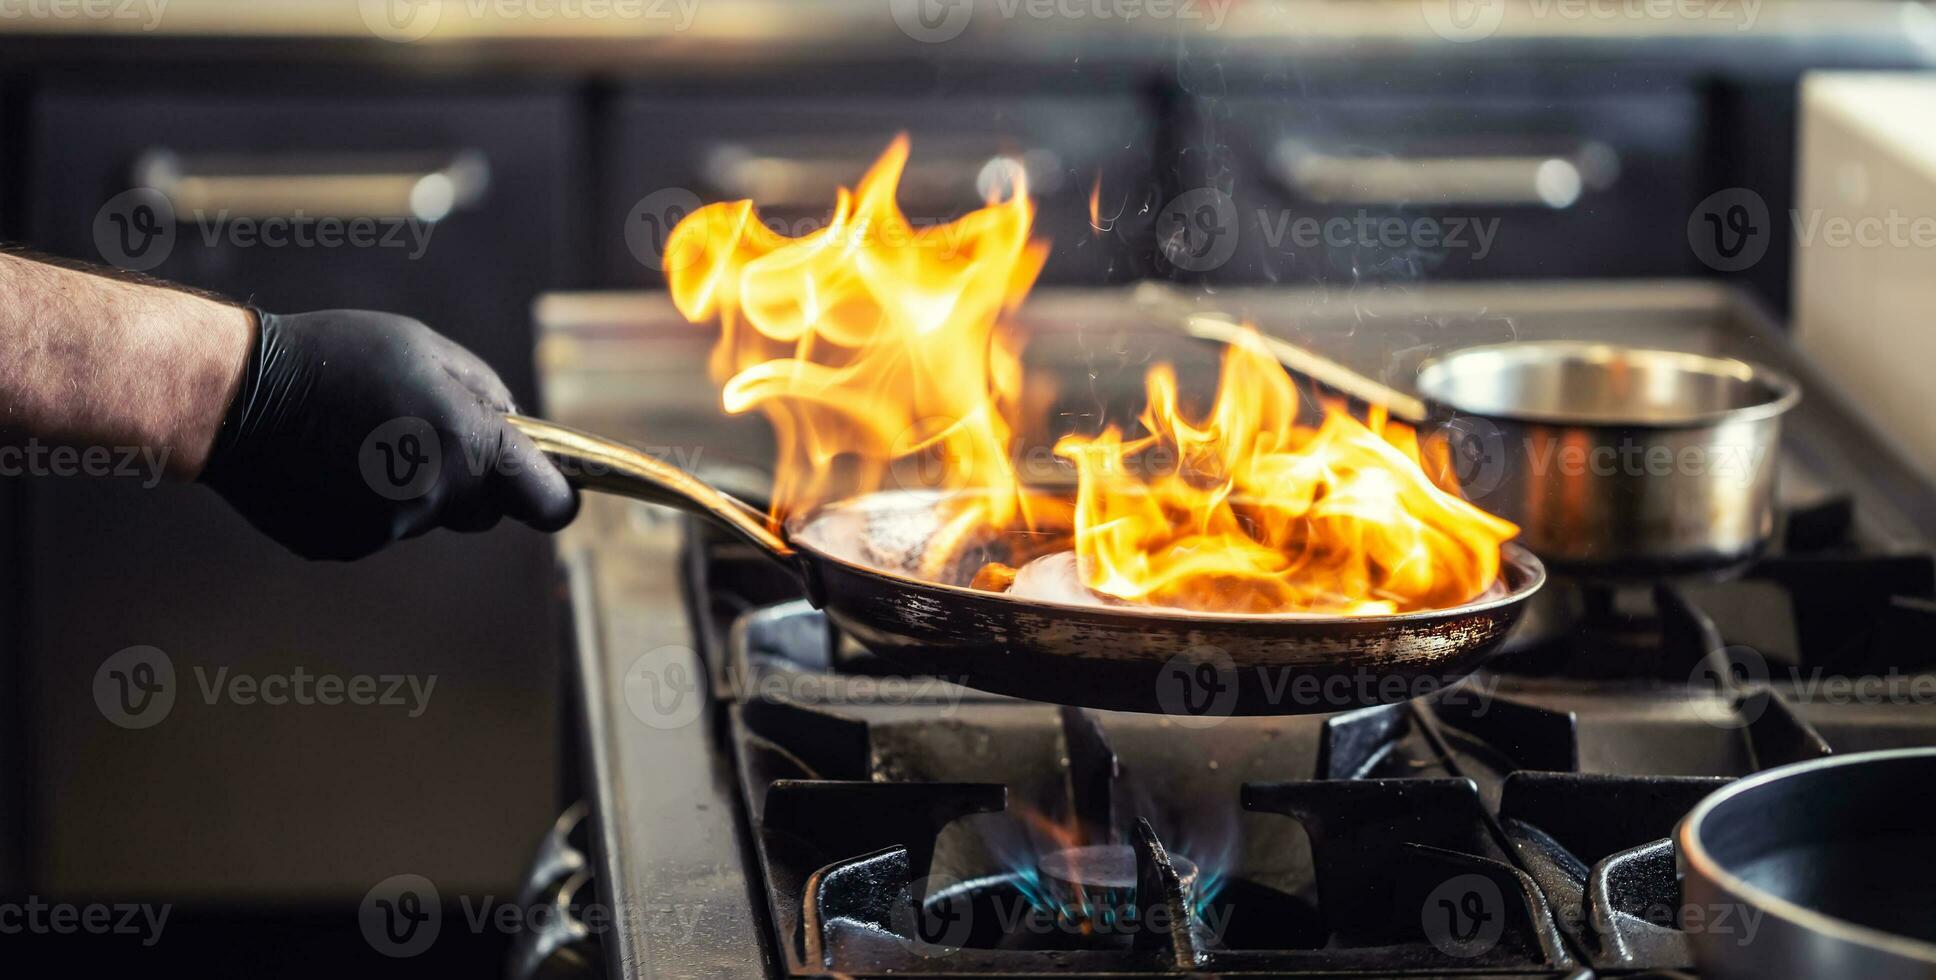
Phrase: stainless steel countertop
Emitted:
{"points": [[624, 364]]}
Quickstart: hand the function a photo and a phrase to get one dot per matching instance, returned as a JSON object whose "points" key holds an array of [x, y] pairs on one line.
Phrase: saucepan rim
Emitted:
{"points": [[1783, 392]]}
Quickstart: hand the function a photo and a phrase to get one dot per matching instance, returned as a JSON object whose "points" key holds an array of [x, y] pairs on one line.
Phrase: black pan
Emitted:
{"points": [[1824, 868], [854, 558]]}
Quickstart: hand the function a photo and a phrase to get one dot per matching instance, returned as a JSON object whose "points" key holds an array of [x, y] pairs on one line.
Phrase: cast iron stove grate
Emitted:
{"points": [[1515, 825]]}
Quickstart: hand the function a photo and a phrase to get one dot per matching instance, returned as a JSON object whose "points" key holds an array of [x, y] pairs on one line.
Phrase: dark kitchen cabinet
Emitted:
{"points": [[299, 801], [1416, 186], [789, 155], [237, 170]]}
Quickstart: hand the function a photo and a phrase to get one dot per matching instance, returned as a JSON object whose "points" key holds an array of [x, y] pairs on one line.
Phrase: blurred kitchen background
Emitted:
{"points": [[509, 148]]}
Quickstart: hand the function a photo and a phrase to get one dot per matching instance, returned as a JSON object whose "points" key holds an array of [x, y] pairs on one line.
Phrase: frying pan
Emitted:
{"points": [[1816, 869], [856, 559]]}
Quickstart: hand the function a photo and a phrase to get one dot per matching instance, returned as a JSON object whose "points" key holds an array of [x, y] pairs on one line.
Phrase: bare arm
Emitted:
{"points": [[336, 432], [92, 360]]}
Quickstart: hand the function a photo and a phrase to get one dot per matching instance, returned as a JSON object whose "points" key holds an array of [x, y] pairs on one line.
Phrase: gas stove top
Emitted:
{"points": [[768, 798]]}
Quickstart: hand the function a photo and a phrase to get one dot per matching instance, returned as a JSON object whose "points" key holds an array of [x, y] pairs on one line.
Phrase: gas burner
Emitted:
{"points": [[1093, 888]]}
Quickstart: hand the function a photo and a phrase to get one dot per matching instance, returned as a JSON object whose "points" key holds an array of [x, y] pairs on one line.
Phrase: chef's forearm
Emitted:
{"points": [[92, 360]]}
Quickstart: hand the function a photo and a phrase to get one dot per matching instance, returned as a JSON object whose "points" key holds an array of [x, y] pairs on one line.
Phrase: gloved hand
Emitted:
{"points": [[354, 429]]}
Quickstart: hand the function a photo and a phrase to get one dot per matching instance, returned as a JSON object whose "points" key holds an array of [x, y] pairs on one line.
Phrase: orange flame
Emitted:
{"points": [[871, 341], [1261, 514]]}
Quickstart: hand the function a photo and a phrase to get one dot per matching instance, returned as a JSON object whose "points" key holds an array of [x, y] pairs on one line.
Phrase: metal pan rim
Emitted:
{"points": [[1695, 856], [1516, 562]]}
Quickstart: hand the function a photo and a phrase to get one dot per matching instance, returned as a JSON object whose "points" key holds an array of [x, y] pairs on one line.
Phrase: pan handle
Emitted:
{"points": [[595, 463], [1307, 363], [1300, 361]]}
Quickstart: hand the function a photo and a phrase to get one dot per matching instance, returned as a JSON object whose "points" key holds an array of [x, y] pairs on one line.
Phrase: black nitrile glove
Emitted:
{"points": [[354, 429]]}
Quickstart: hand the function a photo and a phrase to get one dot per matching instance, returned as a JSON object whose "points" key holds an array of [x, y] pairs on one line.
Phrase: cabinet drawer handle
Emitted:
{"points": [[315, 187], [1551, 181], [785, 181]]}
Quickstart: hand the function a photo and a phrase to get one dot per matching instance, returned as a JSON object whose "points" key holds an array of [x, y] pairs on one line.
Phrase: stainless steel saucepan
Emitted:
{"points": [[1612, 460], [1616, 457], [857, 560]]}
